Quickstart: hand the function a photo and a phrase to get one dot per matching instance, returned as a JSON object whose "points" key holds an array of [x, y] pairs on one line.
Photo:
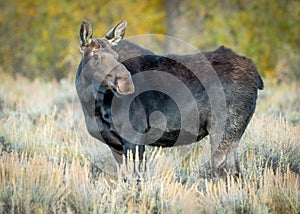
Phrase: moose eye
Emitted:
{"points": [[95, 56]]}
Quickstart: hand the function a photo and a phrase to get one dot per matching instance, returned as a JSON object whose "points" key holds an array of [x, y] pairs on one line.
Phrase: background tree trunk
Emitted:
{"points": [[172, 14]]}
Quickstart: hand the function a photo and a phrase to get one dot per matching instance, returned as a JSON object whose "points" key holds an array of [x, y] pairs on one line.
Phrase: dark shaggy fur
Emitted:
{"points": [[239, 81]]}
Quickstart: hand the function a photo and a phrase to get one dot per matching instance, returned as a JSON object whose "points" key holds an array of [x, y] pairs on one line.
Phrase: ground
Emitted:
{"points": [[49, 163]]}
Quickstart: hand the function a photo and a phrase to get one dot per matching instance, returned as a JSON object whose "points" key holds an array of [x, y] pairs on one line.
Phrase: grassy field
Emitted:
{"points": [[45, 169]]}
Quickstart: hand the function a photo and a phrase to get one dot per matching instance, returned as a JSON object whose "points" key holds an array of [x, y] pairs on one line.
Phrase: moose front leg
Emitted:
{"points": [[115, 144], [137, 152], [130, 147]]}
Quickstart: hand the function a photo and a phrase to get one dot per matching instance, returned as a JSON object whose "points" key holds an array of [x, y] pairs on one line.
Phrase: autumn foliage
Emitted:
{"points": [[40, 38]]}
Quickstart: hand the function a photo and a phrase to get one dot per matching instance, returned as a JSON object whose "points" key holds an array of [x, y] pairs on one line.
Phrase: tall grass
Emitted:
{"points": [[49, 164]]}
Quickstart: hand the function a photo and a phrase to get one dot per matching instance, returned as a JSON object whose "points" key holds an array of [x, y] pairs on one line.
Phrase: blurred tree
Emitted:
{"points": [[172, 15], [259, 29], [40, 38]]}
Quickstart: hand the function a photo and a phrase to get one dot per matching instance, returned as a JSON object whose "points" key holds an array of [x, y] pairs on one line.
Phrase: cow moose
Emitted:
{"points": [[117, 78]]}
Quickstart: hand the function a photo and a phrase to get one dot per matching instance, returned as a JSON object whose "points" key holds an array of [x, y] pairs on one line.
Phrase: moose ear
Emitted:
{"points": [[117, 33], [86, 33]]}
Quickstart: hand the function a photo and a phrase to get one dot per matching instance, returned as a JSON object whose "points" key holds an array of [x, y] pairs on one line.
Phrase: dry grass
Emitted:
{"points": [[44, 168]]}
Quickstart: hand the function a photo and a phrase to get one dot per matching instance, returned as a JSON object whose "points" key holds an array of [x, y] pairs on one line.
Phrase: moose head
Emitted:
{"points": [[99, 64]]}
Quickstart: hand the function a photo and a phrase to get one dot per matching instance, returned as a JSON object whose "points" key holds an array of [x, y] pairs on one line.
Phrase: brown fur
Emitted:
{"points": [[224, 86]]}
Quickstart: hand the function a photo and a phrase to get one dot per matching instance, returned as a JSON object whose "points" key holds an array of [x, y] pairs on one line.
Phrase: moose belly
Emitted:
{"points": [[171, 138], [157, 119], [165, 123]]}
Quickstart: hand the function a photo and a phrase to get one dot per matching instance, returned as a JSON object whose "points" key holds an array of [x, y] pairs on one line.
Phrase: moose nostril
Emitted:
{"points": [[106, 116]]}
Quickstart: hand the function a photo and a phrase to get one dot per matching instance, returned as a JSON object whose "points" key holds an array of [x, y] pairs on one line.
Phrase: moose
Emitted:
{"points": [[165, 100]]}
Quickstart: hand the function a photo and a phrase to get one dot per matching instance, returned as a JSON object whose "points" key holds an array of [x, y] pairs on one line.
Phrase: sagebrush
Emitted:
{"points": [[49, 164]]}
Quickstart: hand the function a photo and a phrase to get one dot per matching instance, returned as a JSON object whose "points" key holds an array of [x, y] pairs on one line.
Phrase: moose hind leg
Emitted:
{"points": [[232, 162], [224, 159]]}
